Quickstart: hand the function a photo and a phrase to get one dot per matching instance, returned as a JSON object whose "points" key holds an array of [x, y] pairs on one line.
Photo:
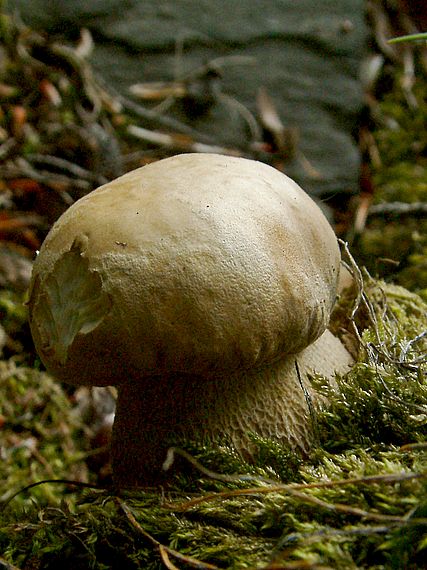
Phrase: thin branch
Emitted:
{"points": [[398, 209], [5, 501], [163, 120], [296, 490], [63, 164], [164, 551], [177, 142]]}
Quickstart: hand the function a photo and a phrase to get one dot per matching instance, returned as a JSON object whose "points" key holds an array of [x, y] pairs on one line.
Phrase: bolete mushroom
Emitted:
{"points": [[201, 286]]}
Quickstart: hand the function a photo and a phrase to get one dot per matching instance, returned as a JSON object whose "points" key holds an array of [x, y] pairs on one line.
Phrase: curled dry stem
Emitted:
{"points": [[174, 451]]}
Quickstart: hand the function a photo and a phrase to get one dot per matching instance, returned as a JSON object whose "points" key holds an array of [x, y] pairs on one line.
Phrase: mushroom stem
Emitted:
{"points": [[272, 402], [197, 409]]}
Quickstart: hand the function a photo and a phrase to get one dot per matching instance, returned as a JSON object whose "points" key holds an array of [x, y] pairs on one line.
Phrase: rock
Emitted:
{"points": [[306, 54]]}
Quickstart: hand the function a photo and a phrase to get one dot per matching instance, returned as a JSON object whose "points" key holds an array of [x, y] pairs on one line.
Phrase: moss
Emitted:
{"points": [[13, 312], [367, 406], [396, 247], [39, 435], [358, 501]]}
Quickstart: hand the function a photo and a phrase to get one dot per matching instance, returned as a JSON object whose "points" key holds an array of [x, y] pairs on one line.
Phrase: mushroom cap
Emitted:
{"points": [[199, 264]]}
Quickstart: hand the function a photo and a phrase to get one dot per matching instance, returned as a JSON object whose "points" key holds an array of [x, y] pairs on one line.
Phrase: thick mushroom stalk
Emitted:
{"points": [[200, 285], [272, 402]]}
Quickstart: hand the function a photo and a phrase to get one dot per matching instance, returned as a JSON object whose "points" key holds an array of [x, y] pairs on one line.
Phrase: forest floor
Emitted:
{"points": [[359, 499]]}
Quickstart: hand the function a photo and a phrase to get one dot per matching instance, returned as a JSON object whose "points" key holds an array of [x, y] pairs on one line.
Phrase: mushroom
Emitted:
{"points": [[201, 286]]}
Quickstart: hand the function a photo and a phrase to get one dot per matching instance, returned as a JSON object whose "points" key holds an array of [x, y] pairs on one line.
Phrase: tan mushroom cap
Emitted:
{"points": [[199, 263]]}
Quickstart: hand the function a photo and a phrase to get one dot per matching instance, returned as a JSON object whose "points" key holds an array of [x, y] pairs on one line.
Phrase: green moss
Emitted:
{"points": [[367, 406], [396, 247], [39, 435], [13, 312], [358, 501]]}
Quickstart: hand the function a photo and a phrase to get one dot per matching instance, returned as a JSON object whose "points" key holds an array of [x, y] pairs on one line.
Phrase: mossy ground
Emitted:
{"points": [[359, 499]]}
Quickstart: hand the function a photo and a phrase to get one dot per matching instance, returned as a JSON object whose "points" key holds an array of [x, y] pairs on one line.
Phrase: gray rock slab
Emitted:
{"points": [[305, 53]]}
